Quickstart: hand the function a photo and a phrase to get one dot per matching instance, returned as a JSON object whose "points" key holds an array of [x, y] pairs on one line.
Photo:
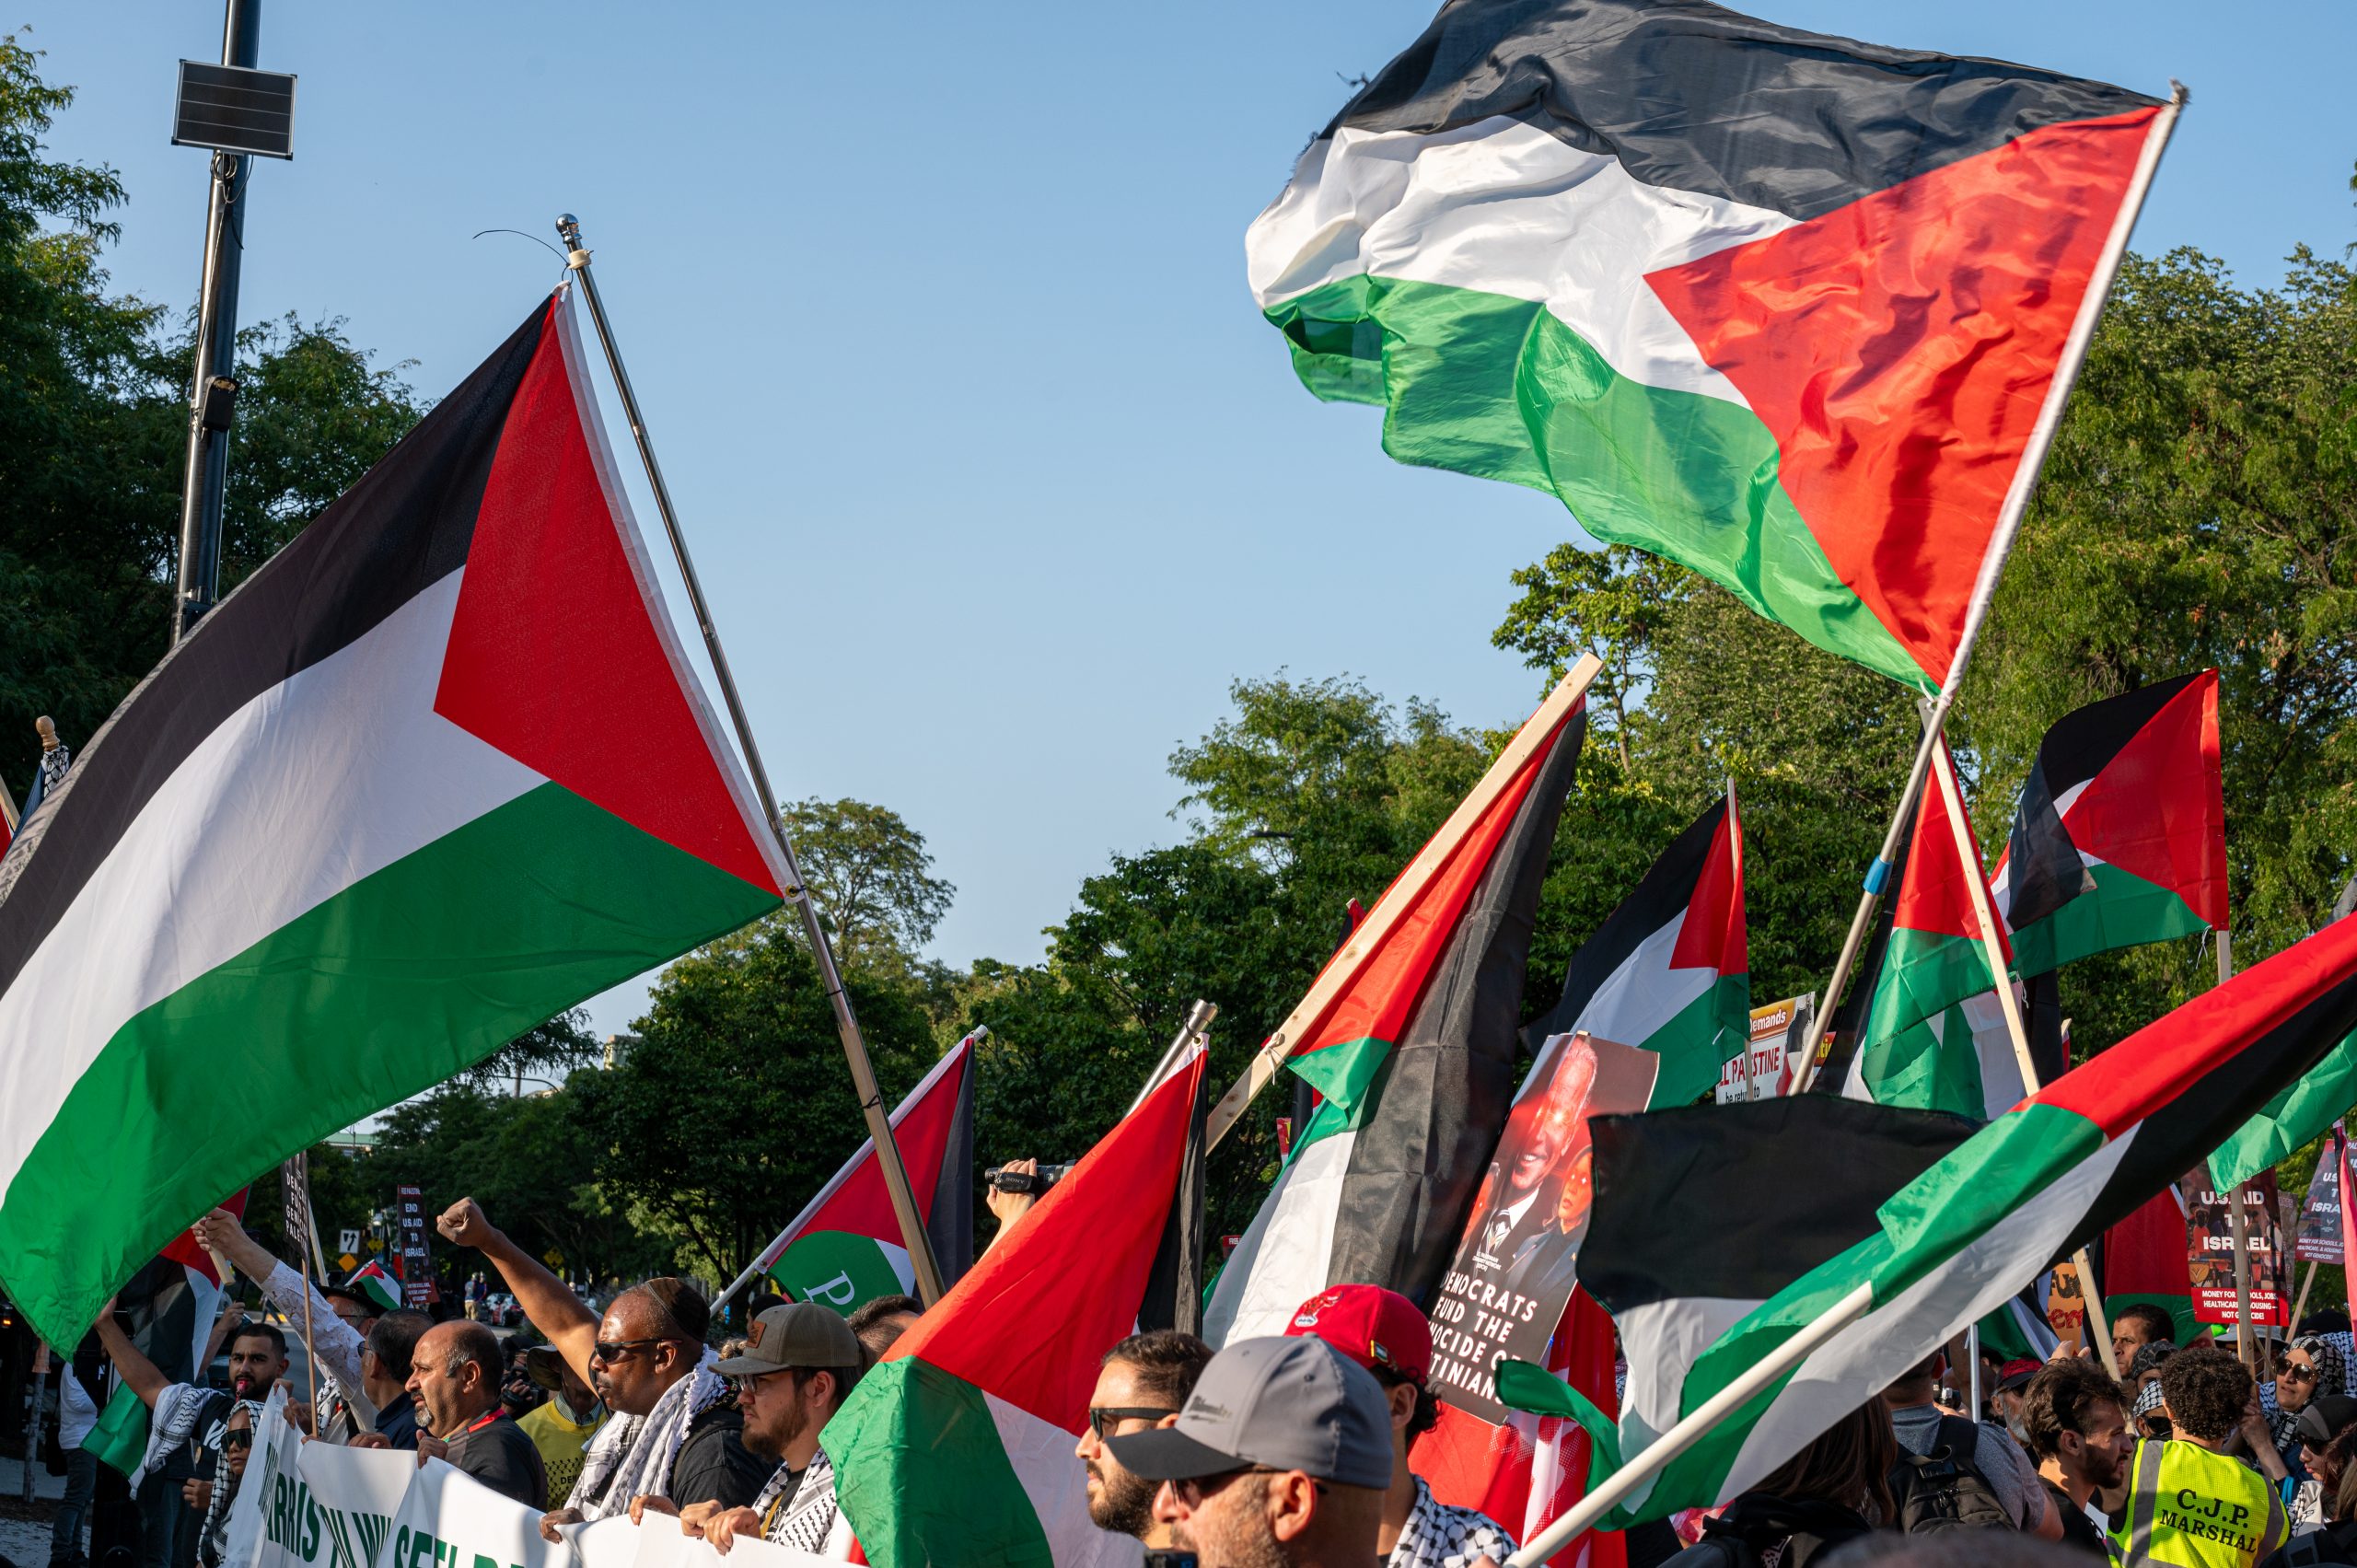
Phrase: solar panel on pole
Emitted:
{"points": [[231, 109]]}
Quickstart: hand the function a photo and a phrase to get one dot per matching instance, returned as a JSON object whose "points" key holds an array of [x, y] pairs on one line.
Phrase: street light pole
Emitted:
{"points": [[213, 385]]}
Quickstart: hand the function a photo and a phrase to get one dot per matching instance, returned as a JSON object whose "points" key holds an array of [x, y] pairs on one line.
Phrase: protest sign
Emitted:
{"points": [[1779, 1030], [1513, 1273], [2211, 1253], [660, 1548], [2318, 1240], [416, 1269], [2066, 1307], [313, 1505], [446, 1517]]}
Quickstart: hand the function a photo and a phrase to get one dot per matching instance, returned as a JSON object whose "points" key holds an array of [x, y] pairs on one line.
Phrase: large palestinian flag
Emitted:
{"points": [[383, 811], [1780, 306], [1960, 1061], [172, 1304], [845, 1247], [957, 1451], [1948, 1248], [2120, 837], [1933, 958], [1415, 1062], [1669, 970]]}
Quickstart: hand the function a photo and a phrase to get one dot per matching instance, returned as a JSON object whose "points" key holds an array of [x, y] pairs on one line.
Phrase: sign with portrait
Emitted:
{"points": [[1513, 1269]]}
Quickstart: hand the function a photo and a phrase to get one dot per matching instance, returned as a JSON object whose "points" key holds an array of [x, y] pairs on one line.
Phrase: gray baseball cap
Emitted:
{"points": [[800, 1333], [1291, 1404]]}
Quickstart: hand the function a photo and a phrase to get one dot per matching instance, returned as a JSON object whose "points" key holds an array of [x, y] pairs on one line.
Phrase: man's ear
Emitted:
{"points": [[1292, 1505], [1402, 1400]]}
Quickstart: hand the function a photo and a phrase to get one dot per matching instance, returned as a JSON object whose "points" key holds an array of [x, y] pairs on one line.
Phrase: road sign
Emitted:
{"points": [[347, 1262]]}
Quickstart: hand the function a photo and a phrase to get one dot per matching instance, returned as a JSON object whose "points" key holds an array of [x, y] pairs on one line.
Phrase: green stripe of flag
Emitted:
{"points": [[2124, 911], [2301, 1113], [1502, 389], [907, 1422]]}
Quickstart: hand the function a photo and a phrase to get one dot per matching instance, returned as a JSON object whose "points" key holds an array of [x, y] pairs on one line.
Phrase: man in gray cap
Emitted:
{"points": [[1279, 1460], [799, 1362]]}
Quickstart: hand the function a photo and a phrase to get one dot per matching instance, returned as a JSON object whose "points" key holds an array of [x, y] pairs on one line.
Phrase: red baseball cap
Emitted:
{"points": [[1374, 1327]]}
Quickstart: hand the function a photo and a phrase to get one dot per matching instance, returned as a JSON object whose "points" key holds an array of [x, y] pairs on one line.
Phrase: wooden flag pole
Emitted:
{"points": [[1344, 965], [2299, 1305], [922, 1261], [1984, 914]]}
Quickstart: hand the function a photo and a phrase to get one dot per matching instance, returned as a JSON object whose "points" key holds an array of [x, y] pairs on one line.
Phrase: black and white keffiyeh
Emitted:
{"points": [[1439, 1535], [801, 1517], [177, 1410], [212, 1537], [631, 1454]]}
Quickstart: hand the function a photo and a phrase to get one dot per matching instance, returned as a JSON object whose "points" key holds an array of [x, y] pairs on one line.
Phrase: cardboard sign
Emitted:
{"points": [[1778, 1032], [2210, 1239], [415, 1268], [2318, 1240]]}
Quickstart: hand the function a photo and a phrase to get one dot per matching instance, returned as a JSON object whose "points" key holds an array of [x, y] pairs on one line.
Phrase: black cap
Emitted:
{"points": [[2324, 1418]]}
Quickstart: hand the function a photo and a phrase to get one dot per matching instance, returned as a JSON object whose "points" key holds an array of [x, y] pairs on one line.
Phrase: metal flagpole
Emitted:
{"points": [[211, 387], [1984, 913], [2001, 545], [1198, 1019], [863, 1073]]}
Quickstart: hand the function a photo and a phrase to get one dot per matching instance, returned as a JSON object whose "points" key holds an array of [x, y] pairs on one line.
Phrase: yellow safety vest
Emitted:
{"points": [[2191, 1508]]}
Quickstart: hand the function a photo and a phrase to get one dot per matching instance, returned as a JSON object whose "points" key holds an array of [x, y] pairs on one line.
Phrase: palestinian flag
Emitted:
{"points": [[1415, 1061], [1783, 308], [2144, 1263], [1696, 1308], [369, 821], [957, 1450], [1933, 957], [845, 1247], [2120, 837], [372, 1280], [1669, 972]]}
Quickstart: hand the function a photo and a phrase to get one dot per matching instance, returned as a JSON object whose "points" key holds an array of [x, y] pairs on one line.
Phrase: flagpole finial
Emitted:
{"points": [[568, 228], [46, 727]]}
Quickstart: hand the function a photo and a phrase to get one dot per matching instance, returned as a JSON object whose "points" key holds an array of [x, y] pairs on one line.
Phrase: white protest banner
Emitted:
{"points": [[312, 1504], [662, 1546], [604, 1543], [451, 1520], [277, 1446]]}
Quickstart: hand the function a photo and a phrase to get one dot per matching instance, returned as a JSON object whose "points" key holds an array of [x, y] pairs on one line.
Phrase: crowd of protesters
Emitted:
{"points": [[1295, 1451]]}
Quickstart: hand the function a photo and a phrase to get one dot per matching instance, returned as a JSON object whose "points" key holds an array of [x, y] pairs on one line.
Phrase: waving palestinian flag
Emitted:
{"points": [[957, 1451], [372, 1280], [1780, 306], [369, 821], [1415, 1062], [1669, 970], [1940, 1250], [2120, 837], [845, 1247], [1932, 958]]}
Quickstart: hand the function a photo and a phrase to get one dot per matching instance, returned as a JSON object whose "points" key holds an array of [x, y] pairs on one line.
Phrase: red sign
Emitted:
{"points": [[2210, 1237]]}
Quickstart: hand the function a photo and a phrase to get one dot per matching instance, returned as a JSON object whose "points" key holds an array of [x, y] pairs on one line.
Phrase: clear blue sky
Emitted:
{"points": [[938, 314]]}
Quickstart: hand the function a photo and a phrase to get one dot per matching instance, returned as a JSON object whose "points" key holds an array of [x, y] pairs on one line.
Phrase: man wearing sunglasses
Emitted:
{"points": [[1281, 1455], [675, 1430], [1141, 1384], [799, 1362]]}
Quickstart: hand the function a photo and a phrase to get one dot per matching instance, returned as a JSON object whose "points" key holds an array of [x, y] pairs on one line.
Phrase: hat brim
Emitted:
{"points": [[1167, 1454], [747, 1366]]}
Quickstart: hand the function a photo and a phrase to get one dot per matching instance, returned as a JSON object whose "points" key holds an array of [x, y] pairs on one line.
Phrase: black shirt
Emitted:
{"points": [[713, 1464], [2079, 1532], [396, 1423], [500, 1454]]}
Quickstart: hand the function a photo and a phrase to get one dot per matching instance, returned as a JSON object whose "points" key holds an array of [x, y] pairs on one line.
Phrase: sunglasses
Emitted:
{"points": [[2298, 1374], [745, 1382], [611, 1351], [1193, 1491], [1103, 1419], [237, 1439]]}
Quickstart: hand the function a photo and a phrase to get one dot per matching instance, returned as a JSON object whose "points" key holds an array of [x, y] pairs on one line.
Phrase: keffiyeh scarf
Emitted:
{"points": [[631, 1454], [177, 1410], [804, 1517], [213, 1537]]}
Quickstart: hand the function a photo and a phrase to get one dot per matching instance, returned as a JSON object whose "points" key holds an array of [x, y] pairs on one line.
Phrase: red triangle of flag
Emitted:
{"points": [[2157, 810], [560, 655], [1030, 1319], [1713, 936], [1934, 897]]}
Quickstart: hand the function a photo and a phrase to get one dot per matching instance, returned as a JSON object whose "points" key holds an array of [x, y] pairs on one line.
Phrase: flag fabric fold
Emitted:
{"points": [[1669, 972], [846, 1246], [1972, 1229], [957, 1450], [2301, 1112], [1782, 307], [359, 829], [1415, 1062], [2121, 835]]}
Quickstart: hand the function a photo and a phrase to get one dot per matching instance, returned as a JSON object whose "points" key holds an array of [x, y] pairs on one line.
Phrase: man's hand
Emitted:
{"points": [[199, 1494], [430, 1447], [298, 1415], [648, 1503], [722, 1529], [463, 1223], [555, 1518], [223, 1232], [696, 1516], [368, 1440]]}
